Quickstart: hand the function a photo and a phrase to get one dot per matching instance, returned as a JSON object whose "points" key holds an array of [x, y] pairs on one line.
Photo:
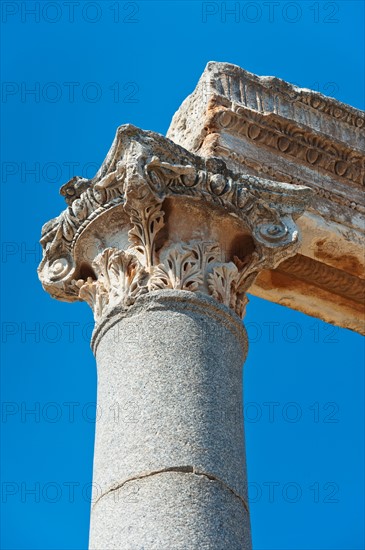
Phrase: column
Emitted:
{"points": [[163, 245]]}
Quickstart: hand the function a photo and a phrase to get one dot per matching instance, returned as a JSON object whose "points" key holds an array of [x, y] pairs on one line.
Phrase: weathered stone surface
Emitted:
{"points": [[266, 127], [170, 511], [156, 216], [177, 407]]}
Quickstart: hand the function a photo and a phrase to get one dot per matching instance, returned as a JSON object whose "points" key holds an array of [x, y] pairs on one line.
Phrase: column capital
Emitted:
{"points": [[156, 216]]}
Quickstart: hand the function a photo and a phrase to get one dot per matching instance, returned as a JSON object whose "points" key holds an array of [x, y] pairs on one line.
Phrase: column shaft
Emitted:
{"points": [[169, 462]]}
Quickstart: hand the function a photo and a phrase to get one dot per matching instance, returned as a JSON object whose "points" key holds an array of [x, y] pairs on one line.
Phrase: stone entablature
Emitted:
{"points": [[263, 126], [156, 216]]}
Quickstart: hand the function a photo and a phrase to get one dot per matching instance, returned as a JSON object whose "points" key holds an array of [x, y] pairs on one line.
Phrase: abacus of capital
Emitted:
{"points": [[163, 244]]}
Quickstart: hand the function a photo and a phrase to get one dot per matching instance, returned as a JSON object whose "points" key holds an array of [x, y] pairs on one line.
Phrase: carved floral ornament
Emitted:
{"points": [[129, 196]]}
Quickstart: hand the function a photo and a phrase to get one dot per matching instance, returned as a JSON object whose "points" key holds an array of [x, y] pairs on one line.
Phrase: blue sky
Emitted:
{"points": [[94, 66]]}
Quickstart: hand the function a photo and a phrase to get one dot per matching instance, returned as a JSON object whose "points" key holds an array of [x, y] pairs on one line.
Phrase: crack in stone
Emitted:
{"points": [[177, 469]]}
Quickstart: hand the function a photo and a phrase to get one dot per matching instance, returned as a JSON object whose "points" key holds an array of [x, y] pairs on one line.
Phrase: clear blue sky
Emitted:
{"points": [[94, 66]]}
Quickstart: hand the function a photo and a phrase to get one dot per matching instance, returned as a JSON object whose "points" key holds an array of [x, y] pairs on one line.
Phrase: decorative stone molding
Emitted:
{"points": [[335, 280], [269, 128], [280, 175], [158, 217], [230, 85], [294, 141]]}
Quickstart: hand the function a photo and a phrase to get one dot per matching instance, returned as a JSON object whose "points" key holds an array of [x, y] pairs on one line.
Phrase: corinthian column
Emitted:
{"points": [[163, 245]]}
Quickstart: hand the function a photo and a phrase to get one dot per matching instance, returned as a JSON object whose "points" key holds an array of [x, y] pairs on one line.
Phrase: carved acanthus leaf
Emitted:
{"points": [[120, 280], [146, 224], [181, 269], [222, 281], [95, 294]]}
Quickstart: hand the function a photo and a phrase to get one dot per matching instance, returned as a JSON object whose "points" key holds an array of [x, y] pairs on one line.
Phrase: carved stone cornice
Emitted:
{"points": [[158, 217], [266, 94], [269, 128], [280, 175], [295, 141], [333, 280], [277, 130]]}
